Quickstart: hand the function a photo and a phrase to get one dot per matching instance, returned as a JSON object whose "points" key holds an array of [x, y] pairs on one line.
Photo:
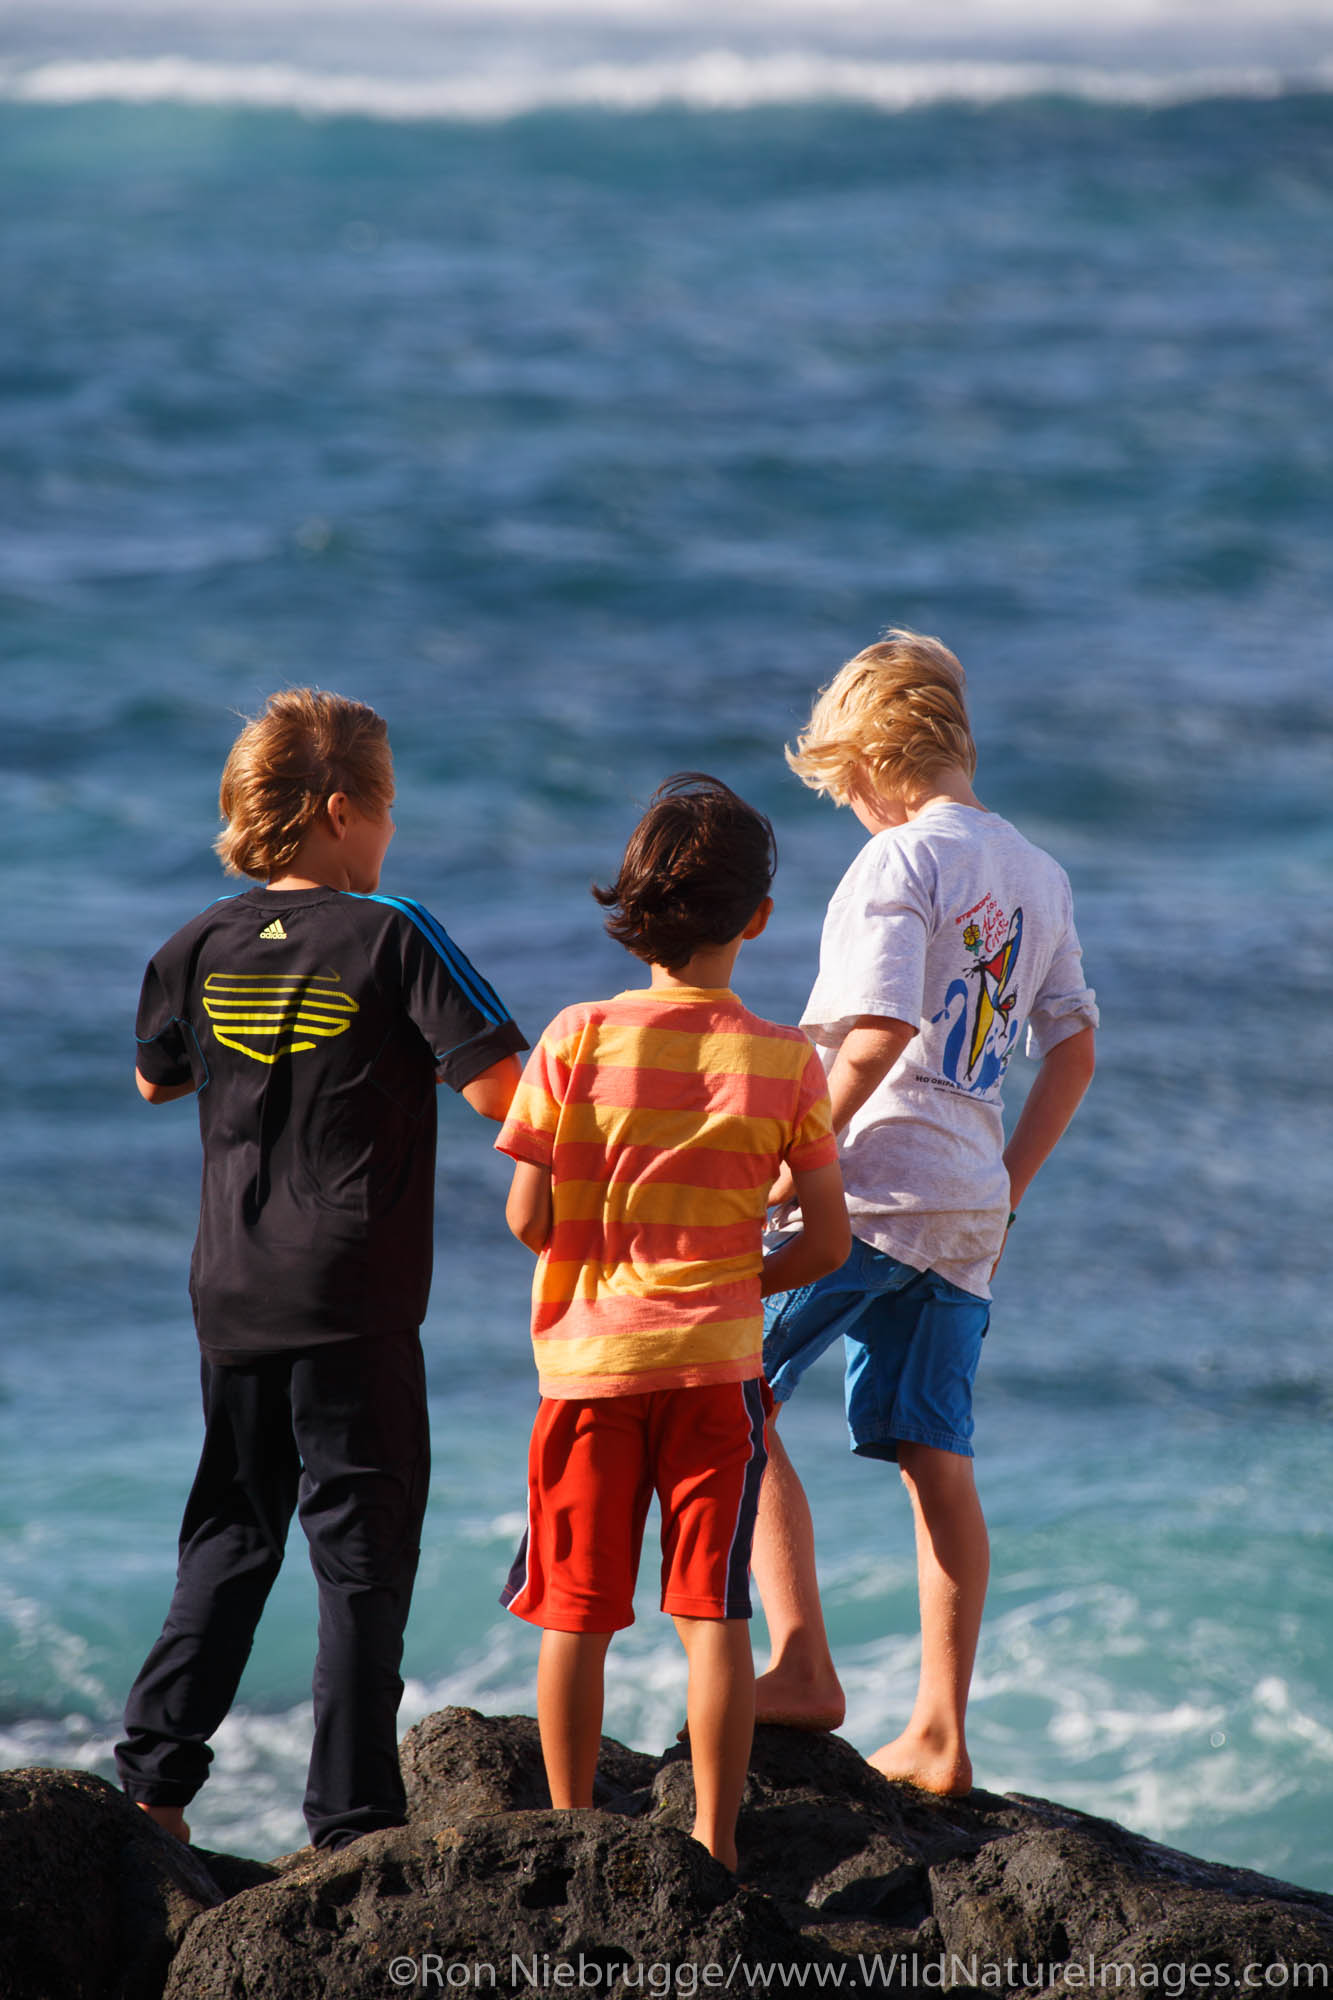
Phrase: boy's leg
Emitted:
{"points": [[720, 1713], [231, 1545], [359, 1412], [570, 1681], [801, 1686], [709, 1459], [589, 1485], [953, 1565], [910, 1371]]}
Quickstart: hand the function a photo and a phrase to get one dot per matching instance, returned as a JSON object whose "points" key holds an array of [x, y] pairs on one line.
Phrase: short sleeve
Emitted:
{"points": [[872, 954], [1065, 1004], [529, 1130], [812, 1142], [163, 1039], [460, 1014]]}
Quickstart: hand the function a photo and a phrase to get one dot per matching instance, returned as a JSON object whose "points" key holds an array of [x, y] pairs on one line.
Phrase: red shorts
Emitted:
{"points": [[593, 1468]]}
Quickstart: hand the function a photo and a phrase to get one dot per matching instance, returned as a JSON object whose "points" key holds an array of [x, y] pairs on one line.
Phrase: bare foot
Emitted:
{"points": [[913, 1760], [798, 1703], [171, 1819]]}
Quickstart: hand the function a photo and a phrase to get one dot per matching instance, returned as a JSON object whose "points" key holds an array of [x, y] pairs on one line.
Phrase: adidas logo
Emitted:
{"points": [[273, 930]]}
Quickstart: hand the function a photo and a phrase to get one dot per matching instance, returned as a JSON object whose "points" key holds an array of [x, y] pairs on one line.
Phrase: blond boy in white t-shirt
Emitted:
{"points": [[948, 932]]}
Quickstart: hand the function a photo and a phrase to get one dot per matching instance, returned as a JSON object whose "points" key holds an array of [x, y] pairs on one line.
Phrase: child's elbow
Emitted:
{"points": [[532, 1231], [491, 1093]]}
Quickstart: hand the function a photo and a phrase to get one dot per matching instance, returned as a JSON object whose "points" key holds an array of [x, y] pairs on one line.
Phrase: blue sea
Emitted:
{"points": [[581, 386]]}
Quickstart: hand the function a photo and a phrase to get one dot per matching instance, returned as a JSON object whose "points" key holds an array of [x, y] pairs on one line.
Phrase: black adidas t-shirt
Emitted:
{"points": [[313, 1026]]}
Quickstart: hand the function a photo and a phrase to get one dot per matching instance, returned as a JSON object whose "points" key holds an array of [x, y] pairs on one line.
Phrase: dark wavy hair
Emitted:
{"points": [[697, 867]]}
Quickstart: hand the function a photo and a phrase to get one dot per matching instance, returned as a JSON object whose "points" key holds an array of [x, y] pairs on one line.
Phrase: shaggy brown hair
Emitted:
{"points": [[284, 767], [697, 867]]}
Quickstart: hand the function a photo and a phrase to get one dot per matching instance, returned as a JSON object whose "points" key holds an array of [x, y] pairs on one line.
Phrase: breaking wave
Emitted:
{"points": [[716, 80]]}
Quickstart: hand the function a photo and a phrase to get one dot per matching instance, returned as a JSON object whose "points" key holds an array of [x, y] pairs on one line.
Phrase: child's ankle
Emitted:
{"points": [[171, 1819], [720, 1849]]}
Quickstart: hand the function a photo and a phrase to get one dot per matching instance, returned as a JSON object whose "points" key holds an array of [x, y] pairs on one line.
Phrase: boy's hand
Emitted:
{"points": [[823, 1242], [783, 1188]]}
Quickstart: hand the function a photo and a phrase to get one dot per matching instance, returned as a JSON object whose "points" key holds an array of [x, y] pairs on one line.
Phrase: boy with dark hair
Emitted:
{"points": [[312, 1019], [647, 1131]]}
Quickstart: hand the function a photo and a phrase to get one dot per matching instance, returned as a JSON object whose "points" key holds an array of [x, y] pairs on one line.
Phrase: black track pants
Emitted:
{"points": [[338, 1432]]}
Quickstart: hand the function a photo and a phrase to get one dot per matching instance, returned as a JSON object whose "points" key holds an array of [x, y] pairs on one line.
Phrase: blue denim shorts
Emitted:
{"points": [[911, 1344]]}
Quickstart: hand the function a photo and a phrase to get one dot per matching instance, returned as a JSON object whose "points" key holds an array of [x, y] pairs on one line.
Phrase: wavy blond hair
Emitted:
{"points": [[890, 719], [286, 764]]}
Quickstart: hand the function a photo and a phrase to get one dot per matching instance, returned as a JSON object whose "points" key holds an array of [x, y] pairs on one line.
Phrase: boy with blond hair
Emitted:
{"points": [[948, 932], [311, 1018], [646, 1133]]}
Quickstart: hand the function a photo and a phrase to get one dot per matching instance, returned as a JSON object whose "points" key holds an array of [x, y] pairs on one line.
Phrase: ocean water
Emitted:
{"points": [[581, 388]]}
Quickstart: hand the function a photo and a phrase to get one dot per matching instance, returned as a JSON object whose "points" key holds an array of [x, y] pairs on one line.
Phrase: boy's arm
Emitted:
{"points": [[528, 1210], [489, 1094], [1056, 1093], [824, 1240], [870, 1048], [161, 1093]]}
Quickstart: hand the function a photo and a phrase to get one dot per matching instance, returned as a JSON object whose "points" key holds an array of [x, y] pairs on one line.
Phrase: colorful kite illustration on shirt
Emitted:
{"points": [[997, 996], [974, 1057]]}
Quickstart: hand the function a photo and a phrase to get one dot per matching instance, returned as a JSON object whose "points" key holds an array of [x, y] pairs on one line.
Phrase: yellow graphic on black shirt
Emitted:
{"points": [[269, 1015]]}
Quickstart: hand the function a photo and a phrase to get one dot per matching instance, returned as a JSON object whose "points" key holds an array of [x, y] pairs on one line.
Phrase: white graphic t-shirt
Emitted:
{"points": [[959, 924]]}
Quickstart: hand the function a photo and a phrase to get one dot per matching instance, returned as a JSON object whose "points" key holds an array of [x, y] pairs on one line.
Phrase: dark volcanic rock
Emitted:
{"points": [[824, 1833], [95, 1897], [490, 1905], [458, 1762], [1052, 1885], [850, 1882]]}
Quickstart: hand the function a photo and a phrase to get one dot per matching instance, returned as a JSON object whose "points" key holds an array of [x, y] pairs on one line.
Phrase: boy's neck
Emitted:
{"points": [[343, 848], [318, 863], [711, 968], [712, 965], [950, 785], [305, 878]]}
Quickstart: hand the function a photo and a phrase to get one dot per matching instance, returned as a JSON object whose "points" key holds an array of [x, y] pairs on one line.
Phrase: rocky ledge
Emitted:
{"points": [[850, 1883]]}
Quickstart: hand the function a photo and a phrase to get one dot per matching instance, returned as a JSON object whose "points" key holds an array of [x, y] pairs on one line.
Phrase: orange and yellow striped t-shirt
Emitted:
{"points": [[663, 1117]]}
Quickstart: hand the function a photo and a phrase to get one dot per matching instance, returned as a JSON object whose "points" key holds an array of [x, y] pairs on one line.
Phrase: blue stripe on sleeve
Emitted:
{"points": [[483, 996], [179, 1021]]}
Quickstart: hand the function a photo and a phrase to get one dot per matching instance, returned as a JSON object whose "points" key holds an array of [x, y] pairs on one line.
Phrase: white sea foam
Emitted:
{"points": [[1044, 1720], [67, 1657], [720, 79]]}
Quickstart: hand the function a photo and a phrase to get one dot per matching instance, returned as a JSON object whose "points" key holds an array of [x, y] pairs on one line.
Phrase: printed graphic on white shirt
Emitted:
{"points": [[982, 1004]]}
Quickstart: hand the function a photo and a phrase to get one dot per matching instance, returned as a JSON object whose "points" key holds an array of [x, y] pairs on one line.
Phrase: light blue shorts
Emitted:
{"points": [[911, 1343]]}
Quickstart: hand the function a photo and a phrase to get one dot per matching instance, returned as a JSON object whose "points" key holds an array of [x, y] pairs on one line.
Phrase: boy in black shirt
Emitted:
{"points": [[311, 1018]]}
